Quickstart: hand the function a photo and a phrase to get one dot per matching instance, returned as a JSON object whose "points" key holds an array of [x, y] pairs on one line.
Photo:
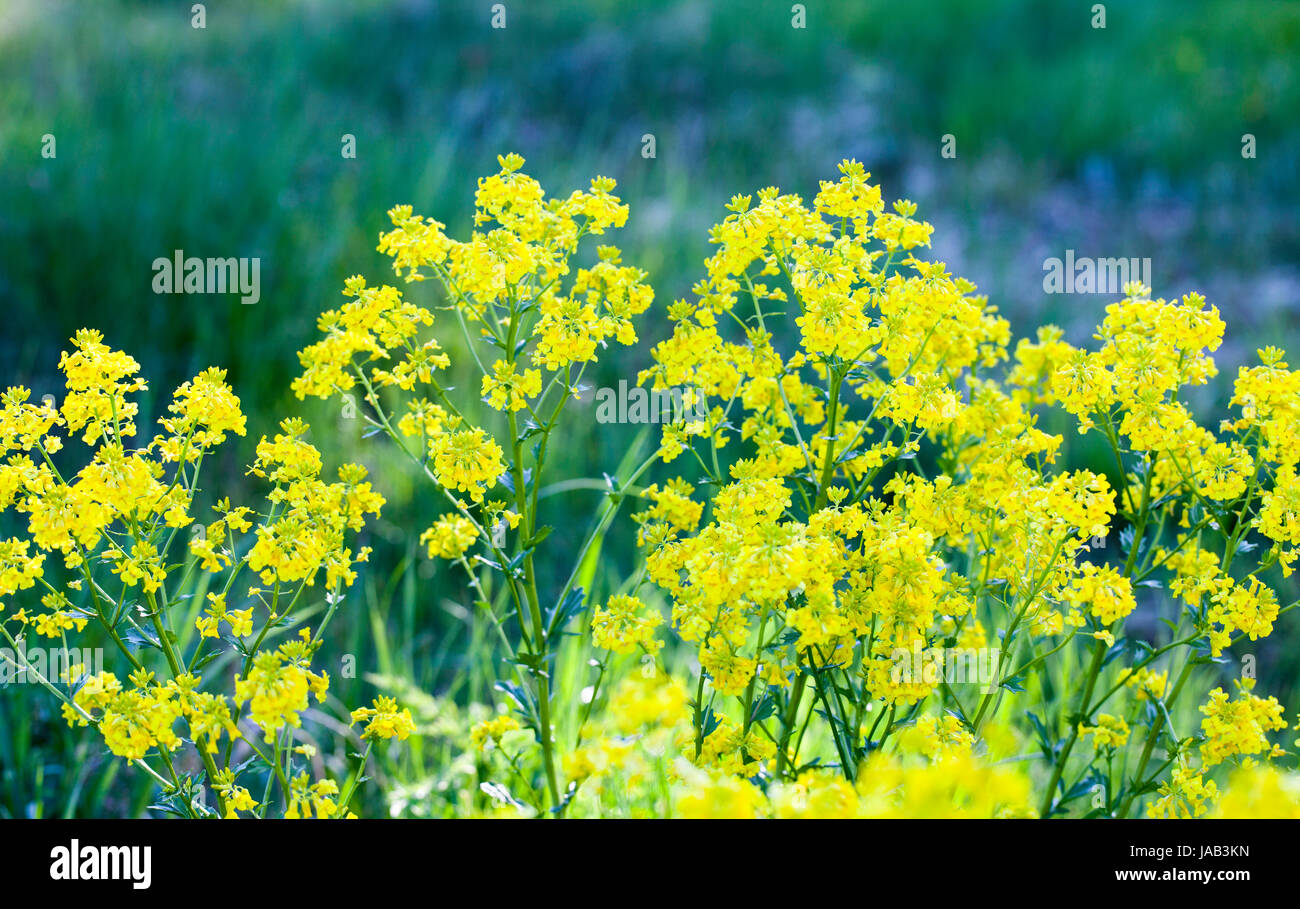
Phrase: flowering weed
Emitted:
{"points": [[859, 486]]}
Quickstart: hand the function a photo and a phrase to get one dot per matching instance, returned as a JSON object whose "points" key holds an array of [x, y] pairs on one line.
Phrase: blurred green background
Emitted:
{"points": [[225, 141]]}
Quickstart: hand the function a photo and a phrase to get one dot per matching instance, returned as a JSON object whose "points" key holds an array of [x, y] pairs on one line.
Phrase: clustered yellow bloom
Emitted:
{"points": [[1239, 726], [278, 685], [1110, 731], [1234, 729], [122, 508], [239, 620], [19, 569], [1248, 606], [816, 551], [310, 530], [449, 537], [1187, 793], [508, 281], [719, 796], [1107, 593], [866, 488], [237, 797], [1260, 791], [624, 624], [647, 702], [118, 484], [504, 388], [730, 749], [624, 746], [643, 748], [312, 799], [1149, 685], [959, 787], [938, 737], [142, 717], [468, 461], [384, 720], [545, 320], [98, 382], [490, 731], [784, 549]]}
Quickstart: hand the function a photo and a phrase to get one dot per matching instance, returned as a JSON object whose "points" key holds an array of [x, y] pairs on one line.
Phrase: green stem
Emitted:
{"points": [[791, 717]]}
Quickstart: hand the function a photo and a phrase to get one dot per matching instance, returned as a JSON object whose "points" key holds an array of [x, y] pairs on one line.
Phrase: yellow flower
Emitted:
{"points": [[384, 720], [1106, 593], [277, 687], [1186, 794], [1259, 791], [1150, 685], [237, 797], [18, 569], [449, 537], [98, 381], [625, 623], [505, 388], [1238, 726], [490, 731], [707, 795], [467, 461], [1110, 731]]}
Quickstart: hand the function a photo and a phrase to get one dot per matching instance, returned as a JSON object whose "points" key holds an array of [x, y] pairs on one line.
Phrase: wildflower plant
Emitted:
{"points": [[532, 324], [873, 480], [215, 682], [868, 476]]}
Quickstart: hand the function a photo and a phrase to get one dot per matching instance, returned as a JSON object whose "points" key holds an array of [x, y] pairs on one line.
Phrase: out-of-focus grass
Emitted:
{"points": [[226, 142], [1164, 87]]}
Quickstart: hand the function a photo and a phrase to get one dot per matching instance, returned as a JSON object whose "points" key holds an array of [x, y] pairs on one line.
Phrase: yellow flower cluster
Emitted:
{"points": [[624, 624], [513, 290], [1110, 731], [643, 748], [1148, 684], [1239, 726], [314, 517], [278, 685], [449, 537], [791, 556], [1260, 791], [1227, 605], [135, 720], [1186, 794], [872, 545], [239, 620], [938, 737], [865, 492], [237, 797], [468, 461], [385, 720], [491, 731], [312, 799], [121, 509]]}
